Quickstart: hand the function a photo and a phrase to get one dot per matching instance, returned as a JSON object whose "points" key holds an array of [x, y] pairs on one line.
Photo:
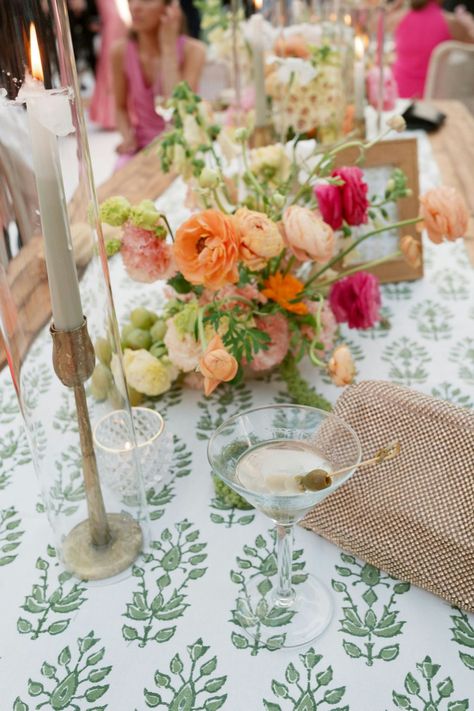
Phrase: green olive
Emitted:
{"points": [[315, 480]]}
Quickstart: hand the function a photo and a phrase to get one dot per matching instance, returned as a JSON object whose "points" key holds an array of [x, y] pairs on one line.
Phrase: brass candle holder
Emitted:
{"points": [[104, 544]]}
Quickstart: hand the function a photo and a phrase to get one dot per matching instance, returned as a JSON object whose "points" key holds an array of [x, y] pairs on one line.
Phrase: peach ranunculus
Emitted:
{"points": [[411, 250], [183, 349], [444, 214], [260, 238], [307, 235], [341, 367], [217, 365], [206, 249], [284, 289]]}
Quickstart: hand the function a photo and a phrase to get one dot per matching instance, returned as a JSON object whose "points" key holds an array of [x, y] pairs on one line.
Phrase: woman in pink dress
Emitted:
{"points": [[418, 29], [149, 64], [102, 108]]}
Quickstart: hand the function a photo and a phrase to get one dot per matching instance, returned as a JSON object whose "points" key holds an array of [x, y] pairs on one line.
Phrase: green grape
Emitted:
{"points": [[128, 328], [142, 318], [103, 350], [158, 330], [158, 350], [138, 338], [101, 381]]}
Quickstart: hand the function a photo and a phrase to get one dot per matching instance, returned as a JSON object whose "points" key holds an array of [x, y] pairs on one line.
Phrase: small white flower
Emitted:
{"points": [[297, 69]]}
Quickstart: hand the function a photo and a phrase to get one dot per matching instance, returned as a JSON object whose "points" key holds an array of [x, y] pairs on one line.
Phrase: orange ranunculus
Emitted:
{"points": [[284, 288], [206, 249], [412, 251], [217, 365], [260, 238], [444, 214]]}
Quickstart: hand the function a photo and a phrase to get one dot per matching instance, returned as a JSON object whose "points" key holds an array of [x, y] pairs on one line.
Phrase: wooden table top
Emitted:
{"points": [[453, 147]]}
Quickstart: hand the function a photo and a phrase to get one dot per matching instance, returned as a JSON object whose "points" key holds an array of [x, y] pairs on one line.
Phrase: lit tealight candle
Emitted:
{"points": [[359, 77], [49, 116], [259, 66]]}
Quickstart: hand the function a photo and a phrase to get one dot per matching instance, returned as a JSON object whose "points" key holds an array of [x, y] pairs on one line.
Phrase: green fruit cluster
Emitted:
{"points": [[145, 330]]}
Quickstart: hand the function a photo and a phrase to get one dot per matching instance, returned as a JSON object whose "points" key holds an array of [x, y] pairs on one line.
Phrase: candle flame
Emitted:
{"points": [[359, 48], [35, 57], [258, 4]]}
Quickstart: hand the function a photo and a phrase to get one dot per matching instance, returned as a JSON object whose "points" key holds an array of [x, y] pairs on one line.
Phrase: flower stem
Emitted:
{"points": [[361, 267]]}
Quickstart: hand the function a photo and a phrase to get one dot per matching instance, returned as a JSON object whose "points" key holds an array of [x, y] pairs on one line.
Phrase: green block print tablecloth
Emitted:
{"points": [[166, 636]]}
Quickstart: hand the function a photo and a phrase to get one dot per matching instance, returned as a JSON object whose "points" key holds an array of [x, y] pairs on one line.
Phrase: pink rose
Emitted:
{"points": [[183, 350], [444, 213], [330, 204], [146, 257], [307, 236], [353, 195], [276, 326], [356, 300]]}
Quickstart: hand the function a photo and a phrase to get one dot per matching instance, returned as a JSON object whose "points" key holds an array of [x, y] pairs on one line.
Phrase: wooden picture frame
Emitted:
{"points": [[381, 159]]}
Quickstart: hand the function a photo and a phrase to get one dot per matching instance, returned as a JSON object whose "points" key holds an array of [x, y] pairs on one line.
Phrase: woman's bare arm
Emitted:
{"points": [[117, 57]]}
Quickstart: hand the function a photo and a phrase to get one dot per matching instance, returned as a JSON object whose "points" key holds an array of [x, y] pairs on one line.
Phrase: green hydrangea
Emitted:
{"points": [[115, 210], [112, 246], [146, 216], [185, 320]]}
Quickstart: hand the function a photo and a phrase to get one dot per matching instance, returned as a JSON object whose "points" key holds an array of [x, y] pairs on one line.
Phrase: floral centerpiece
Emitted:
{"points": [[259, 276]]}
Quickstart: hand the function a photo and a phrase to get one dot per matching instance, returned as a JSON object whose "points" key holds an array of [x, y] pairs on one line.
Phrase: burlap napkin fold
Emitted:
{"points": [[412, 516]]}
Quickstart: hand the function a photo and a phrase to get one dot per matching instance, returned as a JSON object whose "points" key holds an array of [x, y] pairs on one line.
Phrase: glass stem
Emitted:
{"points": [[284, 594]]}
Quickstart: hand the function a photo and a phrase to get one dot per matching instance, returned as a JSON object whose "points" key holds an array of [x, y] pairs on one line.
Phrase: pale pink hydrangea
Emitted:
{"points": [[183, 350], [248, 291], [277, 328], [146, 257]]}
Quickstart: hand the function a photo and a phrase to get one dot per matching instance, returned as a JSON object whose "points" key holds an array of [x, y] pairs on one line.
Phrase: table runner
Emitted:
{"points": [[165, 636]]}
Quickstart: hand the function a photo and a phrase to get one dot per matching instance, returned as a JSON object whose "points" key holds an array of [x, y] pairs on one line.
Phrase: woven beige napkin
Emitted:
{"points": [[412, 516]]}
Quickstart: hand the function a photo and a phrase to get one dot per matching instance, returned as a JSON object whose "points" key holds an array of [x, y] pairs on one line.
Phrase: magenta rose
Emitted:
{"points": [[330, 204], [355, 300], [353, 195]]}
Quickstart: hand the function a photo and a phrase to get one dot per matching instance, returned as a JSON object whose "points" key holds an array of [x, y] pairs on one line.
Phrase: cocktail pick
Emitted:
{"points": [[318, 479]]}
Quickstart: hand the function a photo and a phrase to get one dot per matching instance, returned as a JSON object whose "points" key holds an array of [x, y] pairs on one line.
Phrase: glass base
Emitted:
{"points": [[273, 626]]}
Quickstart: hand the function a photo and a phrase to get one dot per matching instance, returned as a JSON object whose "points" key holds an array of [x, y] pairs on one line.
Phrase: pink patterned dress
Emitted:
{"points": [[419, 32]]}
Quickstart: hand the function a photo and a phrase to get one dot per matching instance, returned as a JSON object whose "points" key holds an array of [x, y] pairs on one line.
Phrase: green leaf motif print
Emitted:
{"points": [[224, 402], [407, 360], [36, 382], [447, 391], [162, 582], [14, 452], [10, 535], [434, 321], [180, 466], [257, 567], [381, 328], [426, 691], [401, 291], [451, 285], [52, 600], [463, 634], [65, 418], [191, 683], [306, 687], [73, 682], [226, 515], [9, 409], [372, 619], [67, 490], [463, 354]]}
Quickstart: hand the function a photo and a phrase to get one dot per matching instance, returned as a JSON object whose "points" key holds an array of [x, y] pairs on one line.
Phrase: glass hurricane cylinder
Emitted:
{"points": [[53, 262]]}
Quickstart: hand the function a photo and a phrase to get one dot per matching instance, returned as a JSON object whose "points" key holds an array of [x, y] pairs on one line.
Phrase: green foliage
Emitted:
{"points": [[434, 321], [10, 535], [463, 634], [407, 360], [447, 391], [379, 621], [52, 599], [69, 681], [299, 391], [162, 582], [415, 697], [462, 353]]}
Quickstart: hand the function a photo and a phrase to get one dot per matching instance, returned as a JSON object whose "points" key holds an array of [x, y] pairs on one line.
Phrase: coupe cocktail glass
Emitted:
{"points": [[262, 454]]}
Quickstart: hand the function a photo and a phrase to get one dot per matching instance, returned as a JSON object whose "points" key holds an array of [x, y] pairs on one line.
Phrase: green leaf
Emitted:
{"points": [[370, 619], [135, 614], [97, 675], [165, 634], [215, 702], [20, 705], [264, 586], [271, 706], [58, 627], [87, 642], [351, 649], [445, 687], [260, 541], [427, 668], [310, 659], [411, 684], [370, 574], [370, 597], [95, 692], [237, 578], [244, 520], [400, 588], [389, 653], [338, 586], [348, 558], [129, 633], [42, 564], [467, 659], [239, 641], [196, 559], [95, 657], [353, 629], [345, 572], [152, 700], [213, 685], [390, 631], [163, 581], [292, 675], [462, 638], [197, 573], [216, 518], [401, 701], [458, 705], [48, 670], [162, 679], [335, 695], [35, 688], [176, 665], [325, 677], [208, 667], [275, 642], [280, 690], [64, 657], [23, 626]]}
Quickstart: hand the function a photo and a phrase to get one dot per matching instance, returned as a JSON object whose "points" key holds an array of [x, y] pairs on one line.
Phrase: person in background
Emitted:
{"points": [[418, 29], [146, 67], [112, 28]]}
